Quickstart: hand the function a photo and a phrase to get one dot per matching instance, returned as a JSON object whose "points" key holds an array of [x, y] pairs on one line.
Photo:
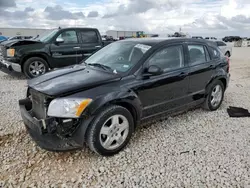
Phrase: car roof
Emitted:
{"points": [[157, 40]]}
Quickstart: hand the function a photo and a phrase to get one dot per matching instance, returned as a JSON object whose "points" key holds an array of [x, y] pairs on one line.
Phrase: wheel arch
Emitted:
{"points": [[220, 78], [88, 116], [25, 58], [133, 106]]}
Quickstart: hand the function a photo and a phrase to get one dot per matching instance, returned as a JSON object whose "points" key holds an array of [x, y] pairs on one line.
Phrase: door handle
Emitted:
{"points": [[98, 46], [76, 47]]}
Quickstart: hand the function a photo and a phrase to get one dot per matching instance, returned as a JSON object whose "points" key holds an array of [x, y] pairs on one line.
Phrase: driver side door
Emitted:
{"points": [[167, 91], [67, 52]]}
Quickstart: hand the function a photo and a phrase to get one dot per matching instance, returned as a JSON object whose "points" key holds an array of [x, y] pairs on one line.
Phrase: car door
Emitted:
{"points": [[165, 92], [67, 52], [90, 42], [202, 68]]}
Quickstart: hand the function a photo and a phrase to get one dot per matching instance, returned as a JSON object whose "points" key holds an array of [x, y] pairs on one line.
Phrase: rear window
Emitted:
{"points": [[216, 52], [89, 36]]}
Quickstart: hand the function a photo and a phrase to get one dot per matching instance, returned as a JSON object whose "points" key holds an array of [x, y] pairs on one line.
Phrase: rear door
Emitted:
{"points": [[202, 68], [90, 42], [68, 52]]}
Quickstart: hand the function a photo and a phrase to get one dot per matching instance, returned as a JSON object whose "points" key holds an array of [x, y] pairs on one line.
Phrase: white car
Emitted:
{"points": [[227, 50]]}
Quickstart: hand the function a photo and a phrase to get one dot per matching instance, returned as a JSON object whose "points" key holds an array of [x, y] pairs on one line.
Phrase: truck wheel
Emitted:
{"points": [[227, 54], [215, 96], [110, 131], [34, 67]]}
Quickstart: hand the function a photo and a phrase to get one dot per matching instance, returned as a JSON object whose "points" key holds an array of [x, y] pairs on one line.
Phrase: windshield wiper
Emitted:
{"points": [[105, 67]]}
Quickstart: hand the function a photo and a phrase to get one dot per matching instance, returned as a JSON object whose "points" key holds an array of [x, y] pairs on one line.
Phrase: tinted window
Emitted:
{"points": [[89, 37], [197, 54], [220, 43], [69, 37], [216, 53], [169, 58]]}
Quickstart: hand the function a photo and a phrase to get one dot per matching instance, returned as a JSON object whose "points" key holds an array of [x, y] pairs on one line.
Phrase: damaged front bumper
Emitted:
{"points": [[9, 67], [44, 131]]}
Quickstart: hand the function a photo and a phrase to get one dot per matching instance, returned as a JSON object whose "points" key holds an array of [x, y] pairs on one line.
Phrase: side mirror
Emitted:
{"points": [[154, 70], [59, 40]]}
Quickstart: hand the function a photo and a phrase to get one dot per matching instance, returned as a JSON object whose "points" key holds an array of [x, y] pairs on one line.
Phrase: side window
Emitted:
{"points": [[169, 58], [197, 54], [216, 52], [69, 37], [89, 37]]}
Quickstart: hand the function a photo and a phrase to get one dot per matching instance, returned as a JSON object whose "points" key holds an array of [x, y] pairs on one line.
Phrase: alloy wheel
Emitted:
{"points": [[37, 68], [216, 96], [114, 132]]}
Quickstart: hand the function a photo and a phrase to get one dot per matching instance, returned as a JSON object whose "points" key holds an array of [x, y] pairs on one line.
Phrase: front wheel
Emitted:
{"points": [[215, 96], [110, 131], [35, 67]]}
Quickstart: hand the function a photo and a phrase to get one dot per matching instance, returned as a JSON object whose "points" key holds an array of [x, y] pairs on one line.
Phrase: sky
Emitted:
{"points": [[196, 17]]}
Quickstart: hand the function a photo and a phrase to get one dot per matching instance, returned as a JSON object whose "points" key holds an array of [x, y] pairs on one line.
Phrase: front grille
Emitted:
{"points": [[39, 106], [3, 51]]}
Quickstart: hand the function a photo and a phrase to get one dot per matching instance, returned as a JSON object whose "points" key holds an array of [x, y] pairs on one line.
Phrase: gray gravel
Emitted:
{"points": [[195, 149]]}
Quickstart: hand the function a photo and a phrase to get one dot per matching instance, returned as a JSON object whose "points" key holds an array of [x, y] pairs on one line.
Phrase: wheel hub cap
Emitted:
{"points": [[37, 68], [114, 132], [216, 96]]}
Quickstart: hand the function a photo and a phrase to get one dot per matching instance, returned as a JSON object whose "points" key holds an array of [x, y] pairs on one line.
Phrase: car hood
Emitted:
{"points": [[11, 43], [71, 79]]}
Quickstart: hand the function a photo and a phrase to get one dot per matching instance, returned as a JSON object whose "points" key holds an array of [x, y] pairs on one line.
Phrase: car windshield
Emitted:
{"points": [[46, 36], [119, 56]]}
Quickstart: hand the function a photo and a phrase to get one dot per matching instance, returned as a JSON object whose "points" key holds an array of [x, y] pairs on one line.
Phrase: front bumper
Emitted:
{"points": [[10, 67], [40, 133]]}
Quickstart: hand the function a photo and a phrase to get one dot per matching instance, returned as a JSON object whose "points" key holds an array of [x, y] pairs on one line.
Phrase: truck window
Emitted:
{"points": [[89, 37], [69, 37]]}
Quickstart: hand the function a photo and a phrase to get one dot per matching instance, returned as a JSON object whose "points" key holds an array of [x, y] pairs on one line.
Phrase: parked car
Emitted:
{"points": [[19, 37], [57, 48], [226, 50], [197, 37], [210, 38], [231, 38], [3, 38], [103, 99]]}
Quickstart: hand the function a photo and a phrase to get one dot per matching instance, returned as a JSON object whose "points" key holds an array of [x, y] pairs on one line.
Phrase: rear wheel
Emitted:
{"points": [[215, 95], [110, 131], [35, 67]]}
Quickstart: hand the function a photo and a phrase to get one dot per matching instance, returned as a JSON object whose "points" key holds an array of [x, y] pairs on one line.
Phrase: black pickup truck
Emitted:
{"points": [[55, 49]]}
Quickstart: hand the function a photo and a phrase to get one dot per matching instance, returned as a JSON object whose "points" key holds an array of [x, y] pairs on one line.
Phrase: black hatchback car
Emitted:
{"points": [[101, 100]]}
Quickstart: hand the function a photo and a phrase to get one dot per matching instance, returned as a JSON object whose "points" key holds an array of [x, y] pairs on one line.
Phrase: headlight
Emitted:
{"points": [[10, 52], [68, 108]]}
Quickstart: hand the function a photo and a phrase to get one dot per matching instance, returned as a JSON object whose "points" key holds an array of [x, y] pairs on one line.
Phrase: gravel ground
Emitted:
{"points": [[194, 149]]}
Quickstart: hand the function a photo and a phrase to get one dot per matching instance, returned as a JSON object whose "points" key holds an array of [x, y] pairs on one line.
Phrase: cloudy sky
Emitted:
{"points": [[197, 17]]}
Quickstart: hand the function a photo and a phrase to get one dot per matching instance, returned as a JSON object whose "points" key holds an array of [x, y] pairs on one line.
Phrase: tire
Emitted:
{"points": [[208, 104], [96, 141], [227, 54], [32, 62]]}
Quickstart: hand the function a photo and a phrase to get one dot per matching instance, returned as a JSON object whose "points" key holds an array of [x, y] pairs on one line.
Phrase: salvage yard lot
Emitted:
{"points": [[194, 149]]}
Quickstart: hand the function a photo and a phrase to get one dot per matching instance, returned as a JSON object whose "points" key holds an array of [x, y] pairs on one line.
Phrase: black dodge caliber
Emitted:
{"points": [[101, 100]]}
